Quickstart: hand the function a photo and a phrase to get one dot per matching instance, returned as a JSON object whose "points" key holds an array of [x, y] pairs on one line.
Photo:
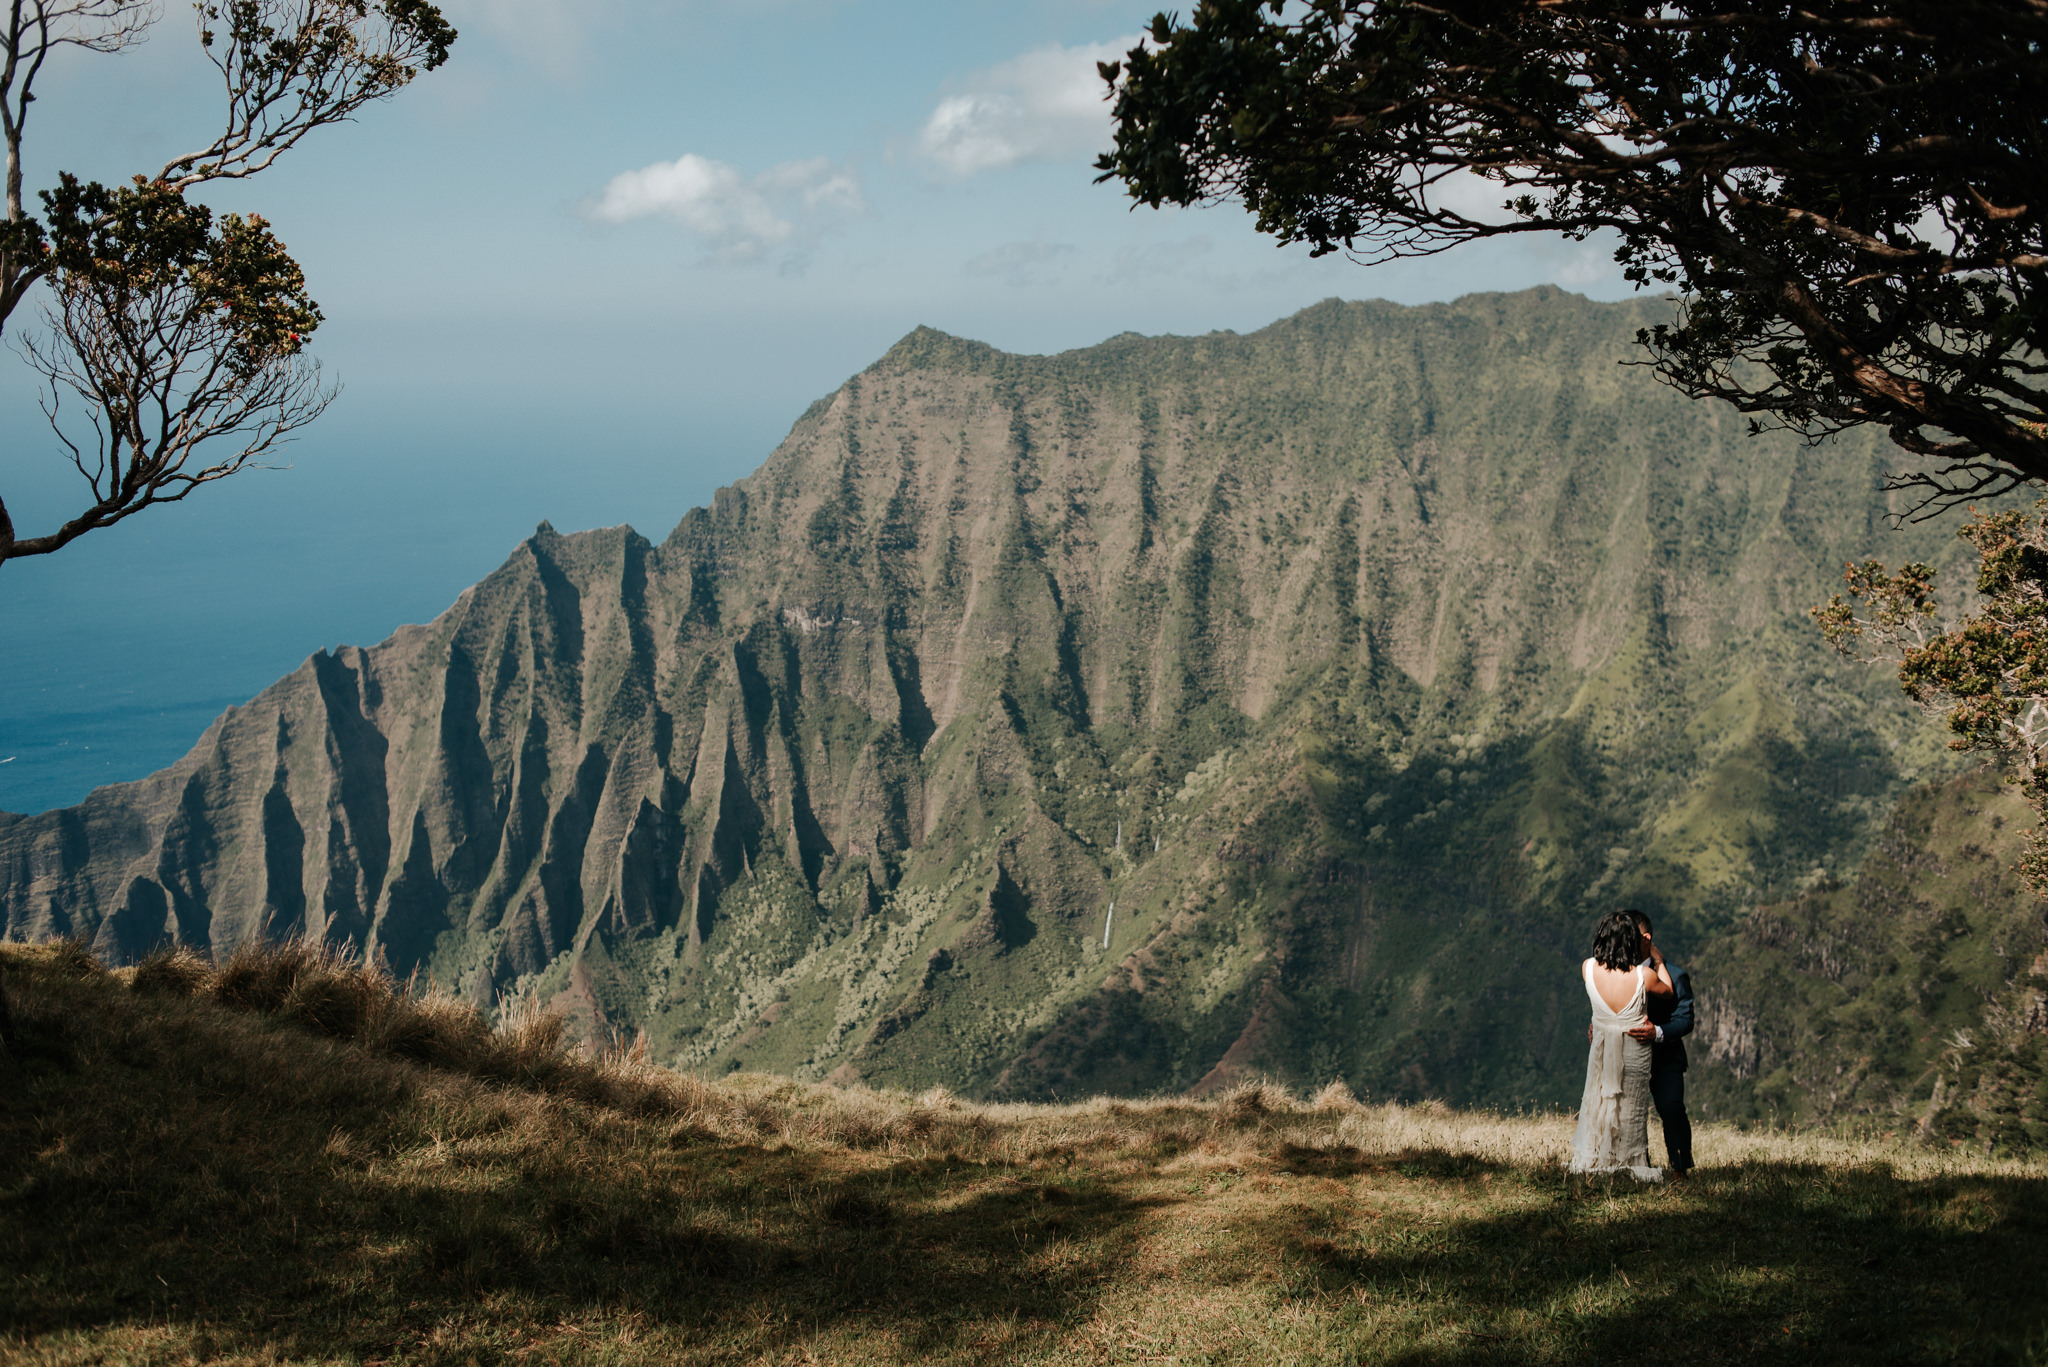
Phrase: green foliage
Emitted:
{"points": [[1903, 997], [172, 329], [343, 52], [126, 244], [1986, 672]]}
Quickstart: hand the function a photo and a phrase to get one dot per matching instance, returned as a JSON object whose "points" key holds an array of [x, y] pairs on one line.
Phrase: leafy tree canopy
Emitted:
{"points": [[169, 328], [1985, 671], [1850, 196]]}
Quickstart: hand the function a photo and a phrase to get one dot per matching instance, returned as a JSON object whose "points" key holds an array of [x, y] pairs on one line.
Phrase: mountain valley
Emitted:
{"points": [[1145, 718]]}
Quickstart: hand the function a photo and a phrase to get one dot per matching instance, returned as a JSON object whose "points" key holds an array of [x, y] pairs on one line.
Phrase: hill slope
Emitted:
{"points": [[1912, 996], [1125, 720], [181, 1181]]}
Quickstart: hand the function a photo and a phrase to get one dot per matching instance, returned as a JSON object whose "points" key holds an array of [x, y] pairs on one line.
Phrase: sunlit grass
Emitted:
{"points": [[285, 1159]]}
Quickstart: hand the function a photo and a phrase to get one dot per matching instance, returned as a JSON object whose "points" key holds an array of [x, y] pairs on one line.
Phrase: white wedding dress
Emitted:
{"points": [[1614, 1114]]}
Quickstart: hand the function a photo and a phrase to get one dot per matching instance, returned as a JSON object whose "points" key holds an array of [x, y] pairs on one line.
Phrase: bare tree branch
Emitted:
{"points": [[290, 66], [35, 29]]}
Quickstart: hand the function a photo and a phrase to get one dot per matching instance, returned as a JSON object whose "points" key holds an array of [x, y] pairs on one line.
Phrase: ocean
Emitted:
{"points": [[118, 651]]}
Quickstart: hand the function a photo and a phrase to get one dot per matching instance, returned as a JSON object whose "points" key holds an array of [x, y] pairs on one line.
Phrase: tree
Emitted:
{"points": [[1850, 196], [171, 328], [1984, 672]]}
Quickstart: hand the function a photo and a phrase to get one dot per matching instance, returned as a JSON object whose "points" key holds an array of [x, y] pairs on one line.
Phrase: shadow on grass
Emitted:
{"points": [[336, 1205], [1759, 1263], [236, 1187]]}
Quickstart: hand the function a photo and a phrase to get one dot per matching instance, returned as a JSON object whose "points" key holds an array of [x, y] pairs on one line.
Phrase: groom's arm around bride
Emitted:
{"points": [[1670, 1021]]}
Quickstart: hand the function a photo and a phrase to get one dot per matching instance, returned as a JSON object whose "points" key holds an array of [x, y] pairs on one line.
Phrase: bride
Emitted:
{"points": [[1614, 1115]]}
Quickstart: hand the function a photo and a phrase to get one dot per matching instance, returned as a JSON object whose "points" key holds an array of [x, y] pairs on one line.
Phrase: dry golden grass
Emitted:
{"points": [[332, 994], [289, 1158]]}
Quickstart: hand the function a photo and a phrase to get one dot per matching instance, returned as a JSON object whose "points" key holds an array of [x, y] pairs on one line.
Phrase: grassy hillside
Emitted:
{"points": [[281, 1161]]}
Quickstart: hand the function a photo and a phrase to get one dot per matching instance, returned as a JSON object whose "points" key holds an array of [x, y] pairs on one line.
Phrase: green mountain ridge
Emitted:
{"points": [[1132, 719]]}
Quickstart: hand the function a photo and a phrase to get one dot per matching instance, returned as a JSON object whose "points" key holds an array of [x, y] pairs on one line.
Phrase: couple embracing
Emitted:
{"points": [[1642, 1009]]}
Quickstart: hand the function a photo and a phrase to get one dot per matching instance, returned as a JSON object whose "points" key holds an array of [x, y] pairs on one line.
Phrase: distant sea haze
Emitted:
{"points": [[106, 685], [118, 652], [56, 758]]}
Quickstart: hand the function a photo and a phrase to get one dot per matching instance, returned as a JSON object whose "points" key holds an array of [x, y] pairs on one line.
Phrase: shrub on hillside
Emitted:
{"points": [[257, 975], [75, 956], [177, 970], [1334, 1096], [329, 992], [1249, 1101]]}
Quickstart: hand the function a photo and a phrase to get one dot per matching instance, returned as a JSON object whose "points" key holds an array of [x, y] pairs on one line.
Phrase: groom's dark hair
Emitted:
{"points": [[1641, 919]]}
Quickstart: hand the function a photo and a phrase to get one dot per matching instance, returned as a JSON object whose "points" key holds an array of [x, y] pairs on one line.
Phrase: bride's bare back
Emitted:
{"points": [[1616, 986]]}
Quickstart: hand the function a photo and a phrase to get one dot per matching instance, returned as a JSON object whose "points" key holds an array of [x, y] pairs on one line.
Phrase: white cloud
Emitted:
{"points": [[738, 219], [1048, 105], [1475, 197], [1019, 263], [1587, 266], [1585, 269]]}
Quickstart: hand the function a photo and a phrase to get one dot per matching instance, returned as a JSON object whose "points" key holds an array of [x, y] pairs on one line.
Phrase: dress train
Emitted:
{"points": [[1614, 1112]]}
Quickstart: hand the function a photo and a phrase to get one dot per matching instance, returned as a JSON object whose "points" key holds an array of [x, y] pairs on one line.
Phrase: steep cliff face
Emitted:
{"points": [[1124, 719], [1912, 993]]}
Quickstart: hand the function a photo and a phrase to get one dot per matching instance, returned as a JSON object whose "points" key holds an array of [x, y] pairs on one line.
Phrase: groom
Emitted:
{"points": [[1669, 1023]]}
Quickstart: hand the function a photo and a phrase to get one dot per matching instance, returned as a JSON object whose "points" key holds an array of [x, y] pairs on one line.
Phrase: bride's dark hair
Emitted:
{"points": [[1618, 941]]}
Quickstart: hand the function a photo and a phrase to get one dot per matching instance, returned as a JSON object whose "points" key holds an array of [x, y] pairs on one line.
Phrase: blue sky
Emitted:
{"points": [[590, 270]]}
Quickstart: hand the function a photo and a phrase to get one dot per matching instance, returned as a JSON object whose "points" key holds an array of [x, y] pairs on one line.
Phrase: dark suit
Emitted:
{"points": [[1673, 1015]]}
